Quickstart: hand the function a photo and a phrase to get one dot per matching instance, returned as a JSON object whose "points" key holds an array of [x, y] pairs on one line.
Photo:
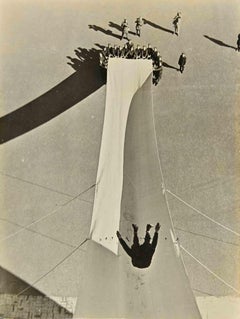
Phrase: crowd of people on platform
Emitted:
{"points": [[128, 51]]}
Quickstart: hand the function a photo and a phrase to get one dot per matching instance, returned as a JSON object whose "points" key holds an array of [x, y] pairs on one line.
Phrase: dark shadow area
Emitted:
{"points": [[118, 27], [31, 304], [219, 42], [169, 66], [10, 284], [107, 32], [115, 26], [87, 79], [156, 26], [100, 46], [141, 255]]}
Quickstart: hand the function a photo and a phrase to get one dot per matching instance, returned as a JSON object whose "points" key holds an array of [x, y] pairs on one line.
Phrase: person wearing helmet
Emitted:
{"points": [[154, 53], [124, 51], [149, 51], [182, 61], [107, 50], [131, 54], [103, 60], [176, 22], [139, 24], [138, 52], [130, 45], [114, 51], [118, 51], [157, 69], [144, 54], [125, 29]]}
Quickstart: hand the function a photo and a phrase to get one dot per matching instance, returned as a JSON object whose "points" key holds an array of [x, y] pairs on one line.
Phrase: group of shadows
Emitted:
{"points": [[86, 79], [30, 304], [118, 28]]}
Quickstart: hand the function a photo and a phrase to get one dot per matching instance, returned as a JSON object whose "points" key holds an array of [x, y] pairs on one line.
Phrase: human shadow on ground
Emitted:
{"points": [[86, 80], [156, 26], [107, 32], [219, 42], [99, 46], [169, 66], [118, 27], [115, 25]]}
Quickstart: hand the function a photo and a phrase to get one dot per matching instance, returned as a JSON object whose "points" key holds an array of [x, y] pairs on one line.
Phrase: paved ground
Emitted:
{"points": [[197, 120]]}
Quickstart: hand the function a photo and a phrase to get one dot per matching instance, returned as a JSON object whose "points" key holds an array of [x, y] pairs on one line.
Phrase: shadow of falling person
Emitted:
{"points": [[219, 42], [107, 32], [86, 80], [156, 26], [12, 285]]}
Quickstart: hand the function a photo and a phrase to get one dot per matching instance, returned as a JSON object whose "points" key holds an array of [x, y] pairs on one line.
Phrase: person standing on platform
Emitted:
{"points": [[124, 51], [130, 45], [113, 51], [118, 52], [181, 62], [131, 54], [138, 52], [144, 54], [154, 53], [141, 255], [149, 51]]}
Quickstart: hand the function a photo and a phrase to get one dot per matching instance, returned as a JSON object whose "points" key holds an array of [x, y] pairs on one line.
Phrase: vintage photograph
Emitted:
{"points": [[120, 159]]}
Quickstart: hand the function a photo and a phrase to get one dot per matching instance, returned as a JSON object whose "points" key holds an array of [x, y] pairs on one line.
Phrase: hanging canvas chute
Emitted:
{"points": [[129, 190], [124, 78]]}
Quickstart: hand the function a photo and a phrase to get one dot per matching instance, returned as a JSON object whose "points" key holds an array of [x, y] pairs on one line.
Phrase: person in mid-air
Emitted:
{"points": [[176, 22], [141, 255], [181, 62]]}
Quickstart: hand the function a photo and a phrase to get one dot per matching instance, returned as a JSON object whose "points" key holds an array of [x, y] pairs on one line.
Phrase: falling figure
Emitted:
{"points": [[141, 255]]}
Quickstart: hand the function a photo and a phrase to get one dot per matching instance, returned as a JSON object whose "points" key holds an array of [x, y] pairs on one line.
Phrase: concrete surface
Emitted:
{"points": [[197, 125]]}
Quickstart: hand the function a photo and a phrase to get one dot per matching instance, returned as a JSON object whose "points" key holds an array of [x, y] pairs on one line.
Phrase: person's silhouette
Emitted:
{"points": [[141, 255]]}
